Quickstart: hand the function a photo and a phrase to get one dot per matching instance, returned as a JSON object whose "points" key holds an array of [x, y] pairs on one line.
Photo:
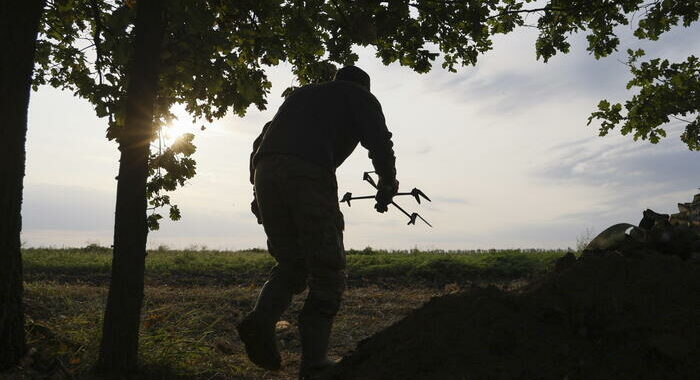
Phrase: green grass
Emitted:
{"points": [[194, 297], [226, 268], [187, 332]]}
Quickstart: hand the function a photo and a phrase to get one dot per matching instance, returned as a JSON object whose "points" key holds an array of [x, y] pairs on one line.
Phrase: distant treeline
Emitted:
{"points": [[96, 248]]}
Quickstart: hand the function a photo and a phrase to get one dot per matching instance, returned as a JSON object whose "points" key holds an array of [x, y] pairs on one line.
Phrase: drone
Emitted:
{"points": [[415, 193]]}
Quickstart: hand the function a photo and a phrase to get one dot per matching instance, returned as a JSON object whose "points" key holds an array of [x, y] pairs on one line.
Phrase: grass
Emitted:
{"points": [[188, 332], [193, 299], [228, 268]]}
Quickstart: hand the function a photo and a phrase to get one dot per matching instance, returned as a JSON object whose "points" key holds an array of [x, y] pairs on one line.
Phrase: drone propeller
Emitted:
{"points": [[347, 198], [415, 193], [416, 215]]}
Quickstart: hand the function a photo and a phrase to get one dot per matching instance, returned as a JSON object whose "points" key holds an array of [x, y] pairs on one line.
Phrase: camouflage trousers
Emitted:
{"points": [[298, 204]]}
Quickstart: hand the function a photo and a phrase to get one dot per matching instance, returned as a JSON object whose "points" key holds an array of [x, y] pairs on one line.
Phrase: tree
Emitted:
{"points": [[463, 29], [212, 58], [19, 22], [666, 90], [119, 345]]}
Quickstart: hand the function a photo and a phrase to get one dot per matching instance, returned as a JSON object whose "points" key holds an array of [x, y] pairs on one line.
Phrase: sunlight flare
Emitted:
{"points": [[180, 125]]}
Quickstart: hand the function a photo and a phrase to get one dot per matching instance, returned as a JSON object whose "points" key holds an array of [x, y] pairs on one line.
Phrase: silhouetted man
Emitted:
{"points": [[296, 199]]}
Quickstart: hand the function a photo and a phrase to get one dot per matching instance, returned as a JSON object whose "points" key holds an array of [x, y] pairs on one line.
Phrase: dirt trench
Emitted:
{"points": [[601, 316]]}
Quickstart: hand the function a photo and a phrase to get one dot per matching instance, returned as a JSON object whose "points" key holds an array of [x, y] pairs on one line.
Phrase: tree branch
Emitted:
{"points": [[96, 38], [533, 10], [680, 119]]}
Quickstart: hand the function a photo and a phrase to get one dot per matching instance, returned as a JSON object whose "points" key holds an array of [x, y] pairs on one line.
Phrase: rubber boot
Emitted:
{"points": [[257, 329], [315, 333]]}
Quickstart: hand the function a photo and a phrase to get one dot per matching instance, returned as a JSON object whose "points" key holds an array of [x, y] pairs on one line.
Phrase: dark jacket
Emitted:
{"points": [[323, 123]]}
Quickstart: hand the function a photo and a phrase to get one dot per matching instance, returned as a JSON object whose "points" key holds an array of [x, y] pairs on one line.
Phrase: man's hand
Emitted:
{"points": [[385, 194]]}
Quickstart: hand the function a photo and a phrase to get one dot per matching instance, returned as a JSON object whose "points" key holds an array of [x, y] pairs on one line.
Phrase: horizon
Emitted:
{"points": [[198, 248]]}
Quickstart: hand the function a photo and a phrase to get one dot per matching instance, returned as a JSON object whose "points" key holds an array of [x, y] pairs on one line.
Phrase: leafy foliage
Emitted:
{"points": [[666, 90], [215, 53], [168, 169]]}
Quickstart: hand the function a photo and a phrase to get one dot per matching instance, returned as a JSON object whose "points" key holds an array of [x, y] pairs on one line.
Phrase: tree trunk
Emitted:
{"points": [[119, 345], [19, 22]]}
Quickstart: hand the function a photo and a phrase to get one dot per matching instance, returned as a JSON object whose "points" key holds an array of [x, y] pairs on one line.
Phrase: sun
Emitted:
{"points": [[180, 125], [170, 133]]}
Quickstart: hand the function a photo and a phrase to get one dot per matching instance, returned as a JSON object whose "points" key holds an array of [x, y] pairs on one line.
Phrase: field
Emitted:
{"points": [[193, 298]]}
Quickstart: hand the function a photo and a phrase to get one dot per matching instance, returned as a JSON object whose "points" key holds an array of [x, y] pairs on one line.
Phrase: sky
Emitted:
{"points": [[501, 148]]}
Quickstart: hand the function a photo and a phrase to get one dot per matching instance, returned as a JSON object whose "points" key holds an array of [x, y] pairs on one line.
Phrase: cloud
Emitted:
{"points": [[424, 150], [634, 175], [61, 215], [47, 206], [450, 200], [518, 88], [509, 80], [667, 166]]}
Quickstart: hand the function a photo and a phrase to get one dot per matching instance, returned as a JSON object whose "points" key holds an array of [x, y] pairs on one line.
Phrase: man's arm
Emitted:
{"points": [[256, 144], [376, 138]]}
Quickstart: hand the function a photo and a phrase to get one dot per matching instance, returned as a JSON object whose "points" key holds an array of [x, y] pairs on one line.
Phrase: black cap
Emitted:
{"points": [[353, 74]]}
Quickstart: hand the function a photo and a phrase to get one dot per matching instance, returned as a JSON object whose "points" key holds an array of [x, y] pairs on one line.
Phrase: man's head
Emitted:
{"points": [[353, 74]]}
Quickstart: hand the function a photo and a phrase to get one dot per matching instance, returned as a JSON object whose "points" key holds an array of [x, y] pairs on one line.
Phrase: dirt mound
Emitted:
{"points": [[603, 316]]}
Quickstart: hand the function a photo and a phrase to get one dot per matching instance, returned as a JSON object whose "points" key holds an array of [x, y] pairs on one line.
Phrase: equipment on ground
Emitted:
{"points": [[415, 193], [676, 234]]}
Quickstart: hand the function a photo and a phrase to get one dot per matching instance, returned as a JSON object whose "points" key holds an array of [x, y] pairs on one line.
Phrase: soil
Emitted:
{"points": [[601, 316]]}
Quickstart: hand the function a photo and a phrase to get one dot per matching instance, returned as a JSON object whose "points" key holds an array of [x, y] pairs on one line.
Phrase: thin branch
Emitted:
{"points": [[87, 47], [528, 11], [500, 14], [546, 8], [680, 119], [96, 39]]}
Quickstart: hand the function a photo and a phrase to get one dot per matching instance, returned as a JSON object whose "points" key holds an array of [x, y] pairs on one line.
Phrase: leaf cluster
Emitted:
{"points": [[665, 91], [169, 168]]}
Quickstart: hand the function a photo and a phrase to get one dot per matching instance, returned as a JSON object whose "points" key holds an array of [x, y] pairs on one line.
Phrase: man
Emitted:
{"points": [[296, 199]]}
